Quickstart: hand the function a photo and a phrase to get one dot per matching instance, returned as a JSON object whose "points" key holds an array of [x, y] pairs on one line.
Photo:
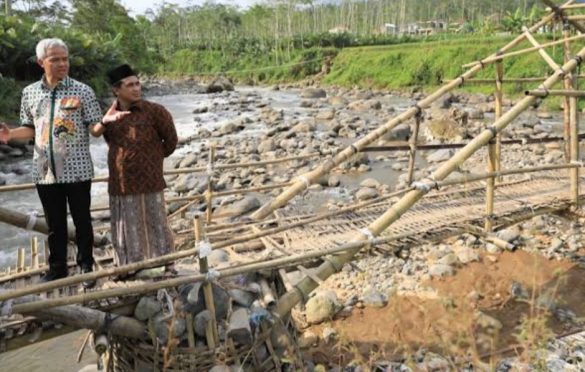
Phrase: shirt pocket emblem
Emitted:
{"points": [[69, 104]]}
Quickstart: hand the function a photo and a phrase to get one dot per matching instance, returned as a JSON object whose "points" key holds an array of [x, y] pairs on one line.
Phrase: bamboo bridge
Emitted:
{"points": [[318, 245]]}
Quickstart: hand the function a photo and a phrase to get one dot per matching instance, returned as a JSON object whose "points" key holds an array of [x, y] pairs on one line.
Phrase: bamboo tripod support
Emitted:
{"points": [[211, 329]]}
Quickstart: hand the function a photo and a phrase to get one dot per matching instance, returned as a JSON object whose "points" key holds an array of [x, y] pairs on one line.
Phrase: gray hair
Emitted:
{"points": [[47, 44]]}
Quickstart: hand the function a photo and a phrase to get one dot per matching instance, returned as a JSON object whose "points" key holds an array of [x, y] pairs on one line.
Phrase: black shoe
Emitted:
{"points": [[90, 283], [53, 274]]}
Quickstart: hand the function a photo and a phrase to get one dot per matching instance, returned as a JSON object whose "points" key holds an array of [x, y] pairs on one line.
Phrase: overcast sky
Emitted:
{"points": [[140, 6]]}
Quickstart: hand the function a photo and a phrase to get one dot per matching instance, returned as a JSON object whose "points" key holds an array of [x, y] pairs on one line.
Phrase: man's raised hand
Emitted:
{"points": [[113, 114]]}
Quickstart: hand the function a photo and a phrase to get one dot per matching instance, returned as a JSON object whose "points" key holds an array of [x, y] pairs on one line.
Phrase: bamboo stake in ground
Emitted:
{"points": [[334, 263], [211, 329], [573, 127], [21, 254], [34, 252], [209, 194], [566, 99], [413, 142], [499, 104]]}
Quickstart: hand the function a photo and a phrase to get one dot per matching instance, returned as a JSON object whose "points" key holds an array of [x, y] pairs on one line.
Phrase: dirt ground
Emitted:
{"points": [[450, 324]]}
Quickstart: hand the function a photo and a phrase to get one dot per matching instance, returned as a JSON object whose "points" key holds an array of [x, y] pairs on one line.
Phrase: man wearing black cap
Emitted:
{"points": [[139, 137]]}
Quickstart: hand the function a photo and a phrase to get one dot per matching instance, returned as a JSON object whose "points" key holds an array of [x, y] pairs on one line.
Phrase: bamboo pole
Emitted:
{"points": [[556, 92], [209, 194], [402, 146], [305, 180], [573, 6], [520, 52], [196, 197], [34, 252], [578, 17], [336, 262], [27, 308], [412, 149], [571, 105], [508, 80], [566, 98], [490, 186], [499, 104], [85, 318], [168, 172], [21, 254], [37, 224], [548, 59], [211, 329]]}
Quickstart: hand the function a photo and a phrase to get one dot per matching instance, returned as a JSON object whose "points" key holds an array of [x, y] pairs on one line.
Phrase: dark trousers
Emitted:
{"points": [[54, 199]]}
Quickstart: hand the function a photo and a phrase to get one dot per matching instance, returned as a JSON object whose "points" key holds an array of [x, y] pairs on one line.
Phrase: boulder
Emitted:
{"points": [[219, 84], [366, 193], [319, 309], [313, 93], [240, 207], [147, 308]]}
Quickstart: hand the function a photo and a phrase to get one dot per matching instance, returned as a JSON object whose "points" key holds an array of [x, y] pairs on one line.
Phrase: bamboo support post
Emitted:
{"points": [[34, 252], [499, 103], [21, 254], [304, 181], [566, 98], [573, 136], [336, 262], [413, 142], [209, 194], [490, 186], [211, 329], [547, 58]]}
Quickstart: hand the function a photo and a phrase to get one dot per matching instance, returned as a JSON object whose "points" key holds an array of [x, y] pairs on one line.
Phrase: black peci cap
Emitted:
{"points": [[119, 73]]}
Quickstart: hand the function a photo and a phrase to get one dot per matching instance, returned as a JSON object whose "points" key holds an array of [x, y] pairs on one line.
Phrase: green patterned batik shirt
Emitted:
{"points": [[60, 118]]}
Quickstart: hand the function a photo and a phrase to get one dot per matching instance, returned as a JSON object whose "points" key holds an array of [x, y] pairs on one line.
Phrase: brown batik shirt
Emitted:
{"points": [[138, 144]]}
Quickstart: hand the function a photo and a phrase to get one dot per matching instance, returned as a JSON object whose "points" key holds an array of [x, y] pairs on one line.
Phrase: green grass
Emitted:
{"points": [[428, 64]]}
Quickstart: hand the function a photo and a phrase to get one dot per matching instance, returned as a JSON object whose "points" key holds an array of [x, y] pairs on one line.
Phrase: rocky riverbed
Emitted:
{"points": [[426, 288]]}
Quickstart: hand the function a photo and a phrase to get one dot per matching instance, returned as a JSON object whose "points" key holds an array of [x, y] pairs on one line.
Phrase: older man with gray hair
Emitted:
{"points": [[58, 112]]}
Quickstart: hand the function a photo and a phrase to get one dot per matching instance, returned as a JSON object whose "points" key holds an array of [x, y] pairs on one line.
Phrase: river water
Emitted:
{"points": [[222, 108]]}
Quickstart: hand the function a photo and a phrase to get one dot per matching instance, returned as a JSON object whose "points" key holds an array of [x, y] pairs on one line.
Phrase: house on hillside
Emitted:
{"points": [[339, 29], [388, 29]]}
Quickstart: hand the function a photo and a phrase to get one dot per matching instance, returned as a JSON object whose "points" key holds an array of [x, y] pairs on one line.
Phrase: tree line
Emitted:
{"points": [[216, 37]]}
